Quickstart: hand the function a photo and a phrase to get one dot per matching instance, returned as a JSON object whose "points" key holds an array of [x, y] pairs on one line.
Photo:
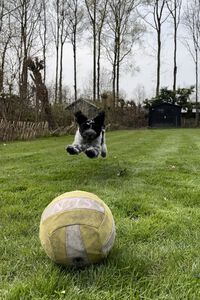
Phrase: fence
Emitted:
{"points": [[19, 130], [188, 123]]}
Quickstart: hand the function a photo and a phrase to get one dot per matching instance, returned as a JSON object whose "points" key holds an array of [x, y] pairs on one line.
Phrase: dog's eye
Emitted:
{"points": [[96, 126], [85, 126]]}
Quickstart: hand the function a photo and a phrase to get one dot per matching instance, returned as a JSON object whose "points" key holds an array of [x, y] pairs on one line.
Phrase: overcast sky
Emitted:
{"points": [[144, 60]]}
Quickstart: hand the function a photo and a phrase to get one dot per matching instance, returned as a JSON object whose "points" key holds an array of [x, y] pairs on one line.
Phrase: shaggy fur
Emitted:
{"points": [[90, 136]]}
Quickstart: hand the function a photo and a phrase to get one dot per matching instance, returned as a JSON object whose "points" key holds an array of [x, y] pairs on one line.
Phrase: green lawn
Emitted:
{"points": [[151, 182]]}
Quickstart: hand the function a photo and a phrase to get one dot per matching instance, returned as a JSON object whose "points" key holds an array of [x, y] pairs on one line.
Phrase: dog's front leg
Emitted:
{"points": [[73, 149], [92, 152], [76, 147]]}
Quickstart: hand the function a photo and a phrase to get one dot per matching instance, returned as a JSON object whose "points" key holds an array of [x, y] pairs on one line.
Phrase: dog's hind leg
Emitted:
{"points": [[103, 145], [103, 150]]}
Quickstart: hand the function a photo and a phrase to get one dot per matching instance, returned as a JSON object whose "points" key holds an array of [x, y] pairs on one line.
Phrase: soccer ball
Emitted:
{"points": [[77, 229]]}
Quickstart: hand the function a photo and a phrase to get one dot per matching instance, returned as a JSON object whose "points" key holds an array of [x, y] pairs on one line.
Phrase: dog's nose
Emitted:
{"points": [[89, 134]]}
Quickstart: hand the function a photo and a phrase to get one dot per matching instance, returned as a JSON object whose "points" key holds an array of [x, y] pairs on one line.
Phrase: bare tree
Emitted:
{"points": [[97, 11], [64, 33], [57, 41], [122, 31], [6, 35], [155, 17], [35, 67], [101, 16], [60, 33], [139, 94], [75, 14], [191, 20], [92, 13], [43, 32], [2, 13], [26, 18], [174, 7], [105, 82]]}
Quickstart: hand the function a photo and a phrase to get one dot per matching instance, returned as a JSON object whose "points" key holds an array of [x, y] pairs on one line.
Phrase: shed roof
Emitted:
{"points": [[166, 103], [81, 100]]}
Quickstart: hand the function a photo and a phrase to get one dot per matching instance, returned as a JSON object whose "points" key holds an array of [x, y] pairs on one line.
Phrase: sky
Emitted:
{"points": [[144, 60]]}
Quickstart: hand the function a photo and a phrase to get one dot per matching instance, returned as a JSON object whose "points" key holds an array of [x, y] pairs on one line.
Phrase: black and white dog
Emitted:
{"points": [[90, 136]]}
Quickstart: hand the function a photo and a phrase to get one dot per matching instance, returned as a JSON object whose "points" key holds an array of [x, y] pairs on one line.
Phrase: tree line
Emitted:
{"points": [[34, 29]]}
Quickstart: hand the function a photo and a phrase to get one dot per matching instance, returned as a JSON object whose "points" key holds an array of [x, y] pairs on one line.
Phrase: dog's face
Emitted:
{"points": [[90, 129]]}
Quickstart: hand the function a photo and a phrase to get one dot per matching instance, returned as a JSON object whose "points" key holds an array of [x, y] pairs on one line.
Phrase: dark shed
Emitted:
{"points": [[165, 115]]}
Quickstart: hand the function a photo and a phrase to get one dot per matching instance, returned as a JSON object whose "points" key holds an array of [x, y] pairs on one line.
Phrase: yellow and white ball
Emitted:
{"points": [[77, 229]]}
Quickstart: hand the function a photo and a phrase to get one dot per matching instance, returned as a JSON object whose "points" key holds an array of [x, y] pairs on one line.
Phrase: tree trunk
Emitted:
{"points": [[3, 66], [61, 72], [75, 65], [1, 79], [1, 14], [94, 52], [98, 65], [175, 65], [74, 37], [45, 39], [114, 74], [24, 74], [197, 86], [175, 49], [158, 62], [57, 50], [24, 81], [118, 66], [113, 84]]}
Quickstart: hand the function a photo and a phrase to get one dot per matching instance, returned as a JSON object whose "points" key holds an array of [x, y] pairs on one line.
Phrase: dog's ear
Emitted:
{"points": [[80, 117], [99, 119]]}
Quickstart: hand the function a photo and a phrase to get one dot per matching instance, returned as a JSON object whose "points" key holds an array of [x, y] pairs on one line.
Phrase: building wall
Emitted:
{"points": [[165, 115]]}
